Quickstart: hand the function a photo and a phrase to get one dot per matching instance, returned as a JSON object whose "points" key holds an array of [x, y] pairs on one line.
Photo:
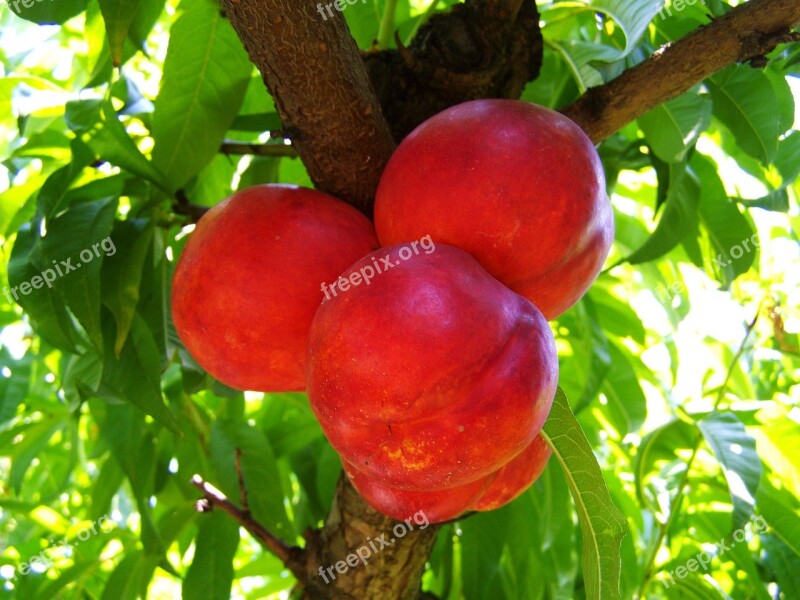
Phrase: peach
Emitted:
{"points": [[518, 186], [429, 374], [516, 476], [436, 505], [249, 280]]}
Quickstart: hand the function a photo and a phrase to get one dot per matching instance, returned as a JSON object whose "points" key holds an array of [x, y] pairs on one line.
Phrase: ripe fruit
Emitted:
{"points": [[430, 374], [518, 186], [248, 281], [516, 476], [436, 505], [489, 493]]}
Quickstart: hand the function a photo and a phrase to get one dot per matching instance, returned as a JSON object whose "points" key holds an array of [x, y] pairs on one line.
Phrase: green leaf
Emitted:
{"points": [[602, 525], [627, 405], [41, 12], [118, 16], [632, 16], [482, 540], [785, 563], [781, 508], [135, 376], [15, 377], [259, 469], [784, 96], [48, 314], [678, 217], [658, 453], [733, 247], [99, 127], [74, 247], [131, 576], [143, 21], [674, 126], [787, 159], [735, 449], [206, 73], [777, 201], [210, 575], [51, 197], [122, 273], [745, 101]]}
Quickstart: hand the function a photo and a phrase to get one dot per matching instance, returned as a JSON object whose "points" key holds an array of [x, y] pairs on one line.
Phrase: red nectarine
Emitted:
{"points": [[518, 186], [432, 374], [249, 281]]}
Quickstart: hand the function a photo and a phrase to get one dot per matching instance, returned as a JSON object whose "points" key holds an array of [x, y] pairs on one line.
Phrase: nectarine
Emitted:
{"points": [[518, 186], [249, 281], [431, 375]]}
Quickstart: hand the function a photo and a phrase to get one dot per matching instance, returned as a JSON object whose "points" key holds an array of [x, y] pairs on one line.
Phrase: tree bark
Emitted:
{"points": [[481, 49], [393, 573], [314, 71]]}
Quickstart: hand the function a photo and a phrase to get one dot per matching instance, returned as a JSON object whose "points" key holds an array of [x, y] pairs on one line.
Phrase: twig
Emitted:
{"points": [[241, 148], [182, 206], [750, 30], [242, 486], [213, 498]]}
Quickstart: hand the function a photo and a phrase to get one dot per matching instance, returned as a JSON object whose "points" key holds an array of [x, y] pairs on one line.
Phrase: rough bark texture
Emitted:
{"points": [[484, 48], [393, 573], [481, 49], [314, 72], [746, 32]]}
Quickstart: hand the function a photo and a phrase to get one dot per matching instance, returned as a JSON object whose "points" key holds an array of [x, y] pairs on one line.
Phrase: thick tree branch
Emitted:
{"points": [[313, 70], [748, 31]]}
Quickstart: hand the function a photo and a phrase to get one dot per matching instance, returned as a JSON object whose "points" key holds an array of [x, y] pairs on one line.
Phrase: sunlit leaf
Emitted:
{"points": [[602, 525]]}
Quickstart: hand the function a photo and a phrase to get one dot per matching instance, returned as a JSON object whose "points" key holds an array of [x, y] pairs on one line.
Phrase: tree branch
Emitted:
{"points": [[313, 69], [291, 556], [748, 31], [237, 148]]}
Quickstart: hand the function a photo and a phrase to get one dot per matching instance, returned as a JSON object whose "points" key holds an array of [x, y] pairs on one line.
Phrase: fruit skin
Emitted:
{"points": [[489, 493], [248, 281], [516, 476], [431, 376], [436, 505], [518, 186]]}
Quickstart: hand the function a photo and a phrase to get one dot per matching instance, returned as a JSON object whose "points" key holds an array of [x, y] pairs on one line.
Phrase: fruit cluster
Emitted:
{"points": [[433, 375]]}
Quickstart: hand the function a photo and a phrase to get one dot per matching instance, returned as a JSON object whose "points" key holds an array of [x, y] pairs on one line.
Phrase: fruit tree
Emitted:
{"points": [[400, 299]]}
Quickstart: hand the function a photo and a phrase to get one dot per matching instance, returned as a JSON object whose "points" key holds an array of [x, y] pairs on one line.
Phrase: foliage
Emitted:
{"points": [[688, 402]]}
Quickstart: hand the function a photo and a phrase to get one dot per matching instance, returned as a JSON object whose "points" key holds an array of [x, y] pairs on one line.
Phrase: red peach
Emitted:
{"points": [[518, 186], [431, 374], [249, 279], [437, 505], [516, 476]]}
